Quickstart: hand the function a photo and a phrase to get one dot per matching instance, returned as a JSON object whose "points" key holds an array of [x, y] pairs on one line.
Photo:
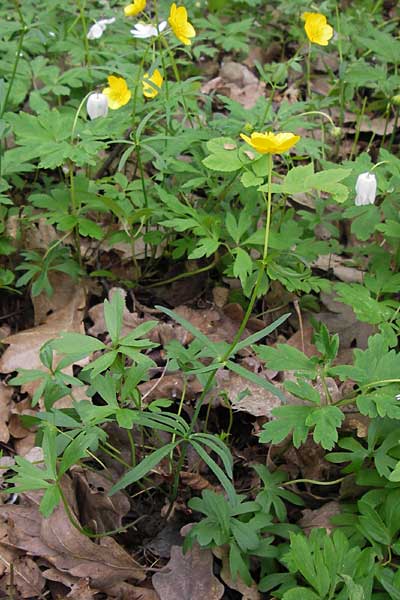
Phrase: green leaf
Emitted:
{"points": [[289, 419], [243, 265], [216, 469], [327, 419], [77, 343], [254, 378], [189, 327], [50, 500], [102, 363], [146, 465], [113, 314], [300, 592], [287, 358]]}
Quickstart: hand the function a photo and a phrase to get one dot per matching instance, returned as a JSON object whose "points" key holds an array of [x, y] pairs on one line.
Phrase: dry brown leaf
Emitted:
{"points": [[197, 482], [237, 82], [57, 541], [335, 263], [97, 510], [5, 410], [320, 517], [65, 291], [27, 578], [24, 346], [188, 576], [245, 395]]}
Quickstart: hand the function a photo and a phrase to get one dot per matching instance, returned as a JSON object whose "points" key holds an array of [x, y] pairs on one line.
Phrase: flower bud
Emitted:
{"points": [[396, 100], [97, 105], [365, 189], [336, 132]]}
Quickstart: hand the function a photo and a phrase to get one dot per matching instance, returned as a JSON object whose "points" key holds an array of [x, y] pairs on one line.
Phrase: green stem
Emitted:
{"points": [[82, 17], [314, 482], [177, 77], [357, 134], [184, 275], [230, 351], [3, 107], [308, 70]]}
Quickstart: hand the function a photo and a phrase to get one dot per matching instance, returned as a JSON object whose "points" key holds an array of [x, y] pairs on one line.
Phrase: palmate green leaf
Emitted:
{"points": [[366, 308], [287, 358], [382, 402], [205, 247], [146, 465], [327, 420], [246, 537], [243, 265], [356, 455], [288, 420]]}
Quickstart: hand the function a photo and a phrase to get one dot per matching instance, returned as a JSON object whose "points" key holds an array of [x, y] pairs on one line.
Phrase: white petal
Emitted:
{"points": [[162, 26], [106, 21], [95, 32], [97, 105]]}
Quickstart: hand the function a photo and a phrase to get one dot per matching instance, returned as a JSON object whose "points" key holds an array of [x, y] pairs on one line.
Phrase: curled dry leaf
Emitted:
{"points": [[5, 411], [320, 517], [237, 82], [188, 576], [97, 509], [337, 264], [64, 547], [24, 346], [26, 578], [244, 395]]}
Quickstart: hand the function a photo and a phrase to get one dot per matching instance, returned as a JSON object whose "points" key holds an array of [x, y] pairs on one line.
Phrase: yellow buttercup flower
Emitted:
{"points": [[317, 29], [271, 143], [178, 19], [118, 94], [156, 79], [134, 8]]}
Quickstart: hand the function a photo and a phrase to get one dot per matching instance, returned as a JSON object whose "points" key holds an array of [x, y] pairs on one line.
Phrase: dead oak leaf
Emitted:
{"points": [[188, 576], [24, 346]]}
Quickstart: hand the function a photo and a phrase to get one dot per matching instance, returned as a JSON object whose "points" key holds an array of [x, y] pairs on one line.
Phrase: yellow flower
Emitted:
{"points": [[271, 143], [317, 29], [156, 80], [135, 8], [118, 93], [178, 19]]}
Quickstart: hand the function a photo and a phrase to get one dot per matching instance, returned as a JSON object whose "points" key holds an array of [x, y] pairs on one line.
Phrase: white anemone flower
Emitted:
{"points": [[97, 105], [365, 189], [143, 31], [98, 28]]}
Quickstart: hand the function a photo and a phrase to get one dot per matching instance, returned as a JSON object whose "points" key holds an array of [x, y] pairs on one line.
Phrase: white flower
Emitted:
{"points": [[97, 105], [365, 189], [98, 28], [143, 31]]}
